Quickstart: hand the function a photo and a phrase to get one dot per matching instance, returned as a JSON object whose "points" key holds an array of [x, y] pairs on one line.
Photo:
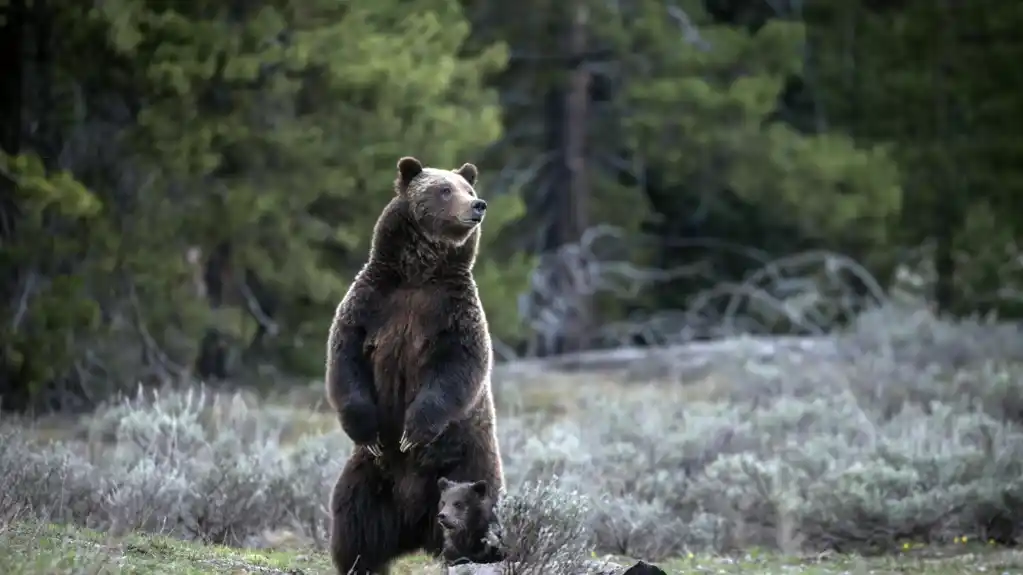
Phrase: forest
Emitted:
{"points": [[187, 188]]}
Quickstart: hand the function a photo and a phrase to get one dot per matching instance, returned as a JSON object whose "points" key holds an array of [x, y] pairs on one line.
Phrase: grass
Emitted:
{"points": [[32, 549], [922, 561]]}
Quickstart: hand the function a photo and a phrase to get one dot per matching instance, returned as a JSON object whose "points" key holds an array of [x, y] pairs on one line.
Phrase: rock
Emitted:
{"points": [[590, 568], [644, 568]]}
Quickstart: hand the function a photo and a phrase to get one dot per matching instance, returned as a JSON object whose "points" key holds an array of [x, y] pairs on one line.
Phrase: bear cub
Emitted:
{"points": [[465, 515]]}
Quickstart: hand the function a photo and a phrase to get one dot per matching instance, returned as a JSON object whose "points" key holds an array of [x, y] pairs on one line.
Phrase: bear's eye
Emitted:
{"points": [[445, 192], [459, 505]]}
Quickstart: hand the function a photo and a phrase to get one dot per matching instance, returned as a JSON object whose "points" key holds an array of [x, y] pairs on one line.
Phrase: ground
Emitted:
{"points": [[788, 444], [27, 549]]}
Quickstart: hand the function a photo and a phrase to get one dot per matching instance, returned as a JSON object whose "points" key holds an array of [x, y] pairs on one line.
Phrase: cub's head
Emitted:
{"points": [[442, 202], [464, 505]]}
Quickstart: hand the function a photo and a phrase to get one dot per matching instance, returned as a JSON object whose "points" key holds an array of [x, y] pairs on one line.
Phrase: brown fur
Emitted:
{"points": [[466, 514], [409, 355]]}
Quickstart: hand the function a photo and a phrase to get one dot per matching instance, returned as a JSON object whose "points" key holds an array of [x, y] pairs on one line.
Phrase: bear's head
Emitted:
{"points": [[464, 505], [443, 203]]}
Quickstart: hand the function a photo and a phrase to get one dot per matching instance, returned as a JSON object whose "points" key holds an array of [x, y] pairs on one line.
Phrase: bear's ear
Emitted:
{"points": [[469, 172], [443, 483], [480, 488], [408, 168]]}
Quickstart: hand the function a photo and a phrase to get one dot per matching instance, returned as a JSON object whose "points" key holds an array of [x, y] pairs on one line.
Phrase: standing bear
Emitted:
{"points": [[408, 372]]}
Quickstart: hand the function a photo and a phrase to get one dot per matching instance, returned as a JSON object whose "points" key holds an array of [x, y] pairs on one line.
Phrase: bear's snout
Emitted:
{"points": [[445, 520], [479, 207]]}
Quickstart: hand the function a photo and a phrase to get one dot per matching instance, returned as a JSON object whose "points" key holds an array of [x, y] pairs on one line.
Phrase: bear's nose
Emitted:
{"points": [[479, 207]]}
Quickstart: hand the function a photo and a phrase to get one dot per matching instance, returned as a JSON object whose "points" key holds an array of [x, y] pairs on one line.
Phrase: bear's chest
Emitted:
{"points": [[407, 321]]}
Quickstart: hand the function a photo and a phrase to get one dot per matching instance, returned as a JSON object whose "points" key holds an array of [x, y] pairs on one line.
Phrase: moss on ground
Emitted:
{"points": [[31, 549], [922, 561]]}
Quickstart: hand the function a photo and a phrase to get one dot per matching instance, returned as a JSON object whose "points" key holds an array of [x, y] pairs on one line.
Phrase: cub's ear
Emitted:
{"points": [[443, 483], [480, 488], [469, 172], [408, 168]]}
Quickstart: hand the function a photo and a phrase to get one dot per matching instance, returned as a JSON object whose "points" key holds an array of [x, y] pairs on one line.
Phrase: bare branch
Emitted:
{"points": [[150, 347], [808, 293], [27, 291], [252, 304], [690, 32]]}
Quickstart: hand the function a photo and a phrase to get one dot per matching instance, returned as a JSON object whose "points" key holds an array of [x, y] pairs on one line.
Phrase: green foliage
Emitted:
{"points": [[994, 267], [300, 154], [52, 308], [261, 150], [941, 85], [186, 169], [702, 113], [41, 190], [826, 184]]}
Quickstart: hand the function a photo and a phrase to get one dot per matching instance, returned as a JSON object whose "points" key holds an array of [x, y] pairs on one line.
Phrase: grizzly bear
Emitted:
{"points": [[466, 514], [408, 372]]}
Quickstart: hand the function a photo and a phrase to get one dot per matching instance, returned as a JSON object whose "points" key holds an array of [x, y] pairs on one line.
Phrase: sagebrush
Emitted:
{"points": [[910, 431]]}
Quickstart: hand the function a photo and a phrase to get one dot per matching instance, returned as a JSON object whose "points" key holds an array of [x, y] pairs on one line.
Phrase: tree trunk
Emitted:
{"points": [[948, 217], [575, 210], [13, 387]]}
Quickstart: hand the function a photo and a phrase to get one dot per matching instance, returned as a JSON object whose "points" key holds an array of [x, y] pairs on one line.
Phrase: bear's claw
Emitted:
{"points": [[375, 449], [405, 444]]}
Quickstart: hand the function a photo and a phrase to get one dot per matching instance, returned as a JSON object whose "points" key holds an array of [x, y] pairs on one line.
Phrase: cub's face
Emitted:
{"points": [[462, 505], [443, 202]]}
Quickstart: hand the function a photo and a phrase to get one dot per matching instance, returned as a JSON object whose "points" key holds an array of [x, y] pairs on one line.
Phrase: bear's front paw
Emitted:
{"points": [[375, 449], [359, 422], [414, 436]]}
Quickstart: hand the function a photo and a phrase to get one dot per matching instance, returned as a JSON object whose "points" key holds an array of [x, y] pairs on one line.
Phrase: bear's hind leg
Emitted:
{"points": [[365, 523]]}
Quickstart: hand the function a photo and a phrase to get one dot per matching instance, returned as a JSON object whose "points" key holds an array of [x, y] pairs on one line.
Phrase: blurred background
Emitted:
{"points": [[186, 188]]}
